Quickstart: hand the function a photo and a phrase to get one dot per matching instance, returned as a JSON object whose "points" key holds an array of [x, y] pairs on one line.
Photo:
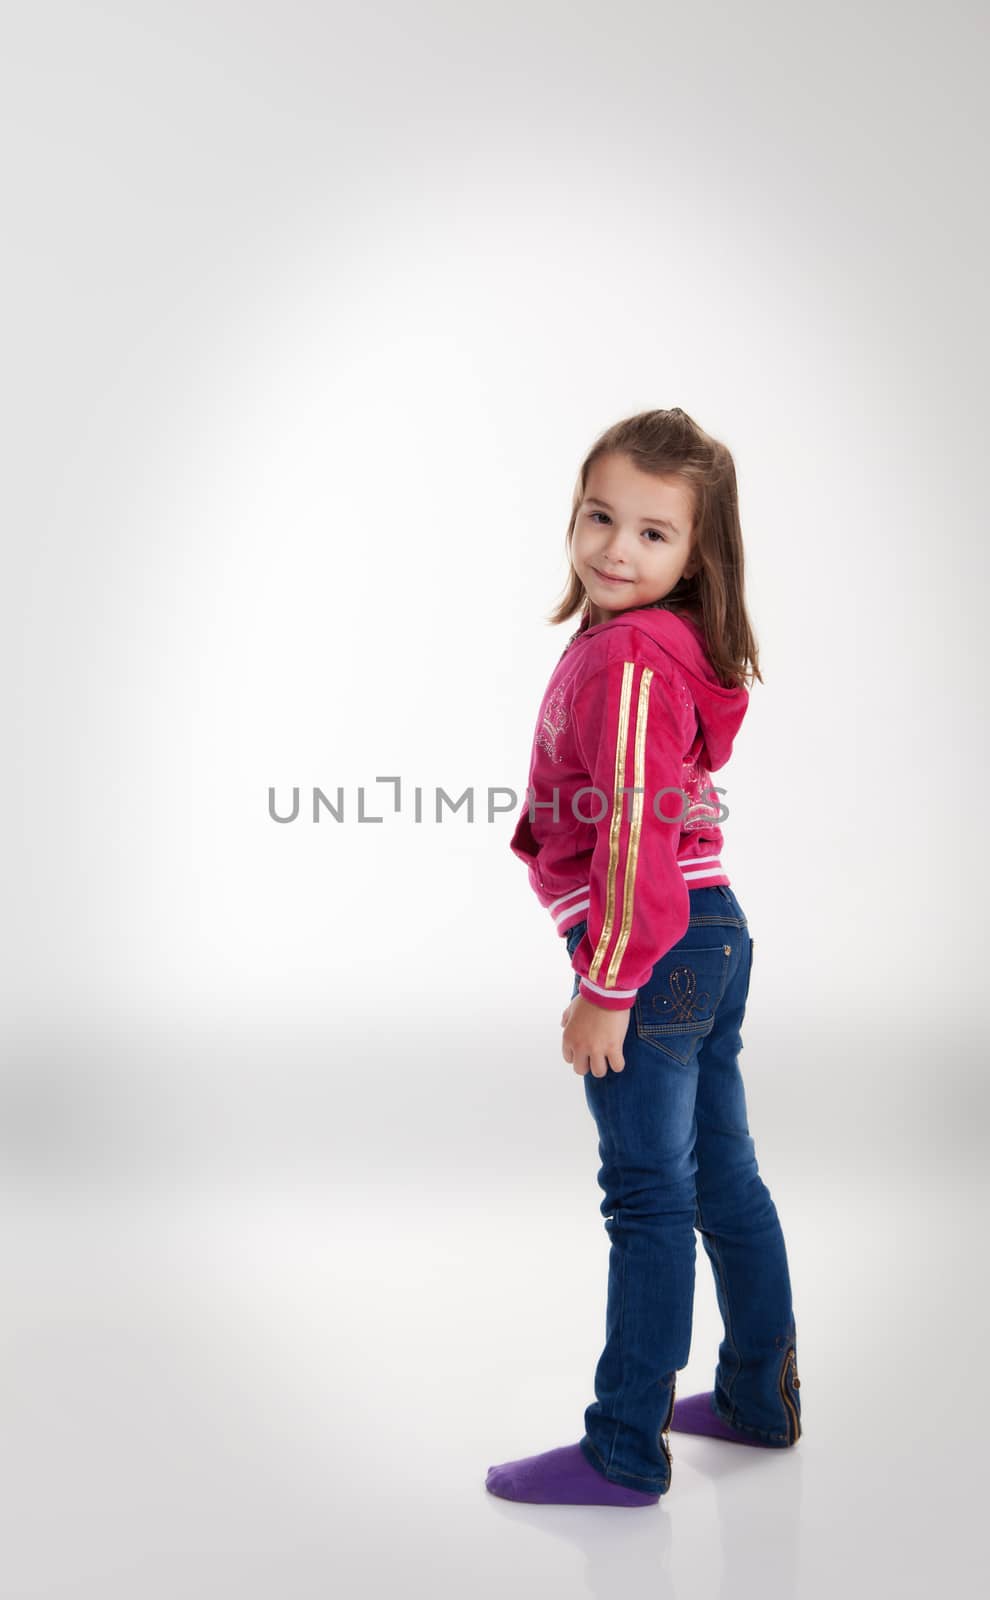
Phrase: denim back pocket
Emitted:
{"points": [[675, 1008]]}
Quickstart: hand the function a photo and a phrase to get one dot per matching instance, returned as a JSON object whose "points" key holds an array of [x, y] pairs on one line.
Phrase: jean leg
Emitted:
{"points": [[645, 1120], [756, 1383]]}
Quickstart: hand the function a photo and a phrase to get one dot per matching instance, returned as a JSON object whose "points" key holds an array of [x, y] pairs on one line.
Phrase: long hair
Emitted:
{"points": [[672, 443]]}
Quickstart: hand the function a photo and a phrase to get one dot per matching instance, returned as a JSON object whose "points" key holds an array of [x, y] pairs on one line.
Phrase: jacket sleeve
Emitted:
{"points": [[629, 732]]}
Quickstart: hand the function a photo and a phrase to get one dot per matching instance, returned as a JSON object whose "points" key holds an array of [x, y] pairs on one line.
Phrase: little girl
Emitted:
{"points": [[621, 839]]}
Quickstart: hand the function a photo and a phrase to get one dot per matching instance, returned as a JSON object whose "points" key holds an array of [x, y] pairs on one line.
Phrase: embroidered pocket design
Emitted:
{"points": [[553, 722], [675, 1010], [684, 1003]]}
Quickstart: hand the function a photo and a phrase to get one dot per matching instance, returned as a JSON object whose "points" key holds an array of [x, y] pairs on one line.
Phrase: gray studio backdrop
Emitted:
{"points": [[301, 362], [309, 316]]}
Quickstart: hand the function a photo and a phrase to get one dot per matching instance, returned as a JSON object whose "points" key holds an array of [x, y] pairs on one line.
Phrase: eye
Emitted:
{"points": [[656, 534]]}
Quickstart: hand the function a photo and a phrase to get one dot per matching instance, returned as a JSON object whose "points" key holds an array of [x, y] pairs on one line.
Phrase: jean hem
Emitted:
{"points": [[626, 1480], [775, 1441]]}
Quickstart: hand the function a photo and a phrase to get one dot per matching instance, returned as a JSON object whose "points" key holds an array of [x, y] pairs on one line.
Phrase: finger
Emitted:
{"points": [[599, 1066], [617, 1063], [581, 1067]]}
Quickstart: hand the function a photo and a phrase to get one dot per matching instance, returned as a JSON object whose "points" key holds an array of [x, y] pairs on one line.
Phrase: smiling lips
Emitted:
{"points": [[607, 579]]}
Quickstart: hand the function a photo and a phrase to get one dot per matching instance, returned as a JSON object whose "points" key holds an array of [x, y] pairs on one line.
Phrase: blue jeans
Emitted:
{"points": [[676, 1156]]}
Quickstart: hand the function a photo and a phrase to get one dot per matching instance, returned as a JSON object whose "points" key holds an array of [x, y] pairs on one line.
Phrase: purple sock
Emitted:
{"points": [[561, 1477], [694, 1414]]}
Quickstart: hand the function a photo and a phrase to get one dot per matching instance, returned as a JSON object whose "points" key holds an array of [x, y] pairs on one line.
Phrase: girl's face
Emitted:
{"points": [[632, 537]]}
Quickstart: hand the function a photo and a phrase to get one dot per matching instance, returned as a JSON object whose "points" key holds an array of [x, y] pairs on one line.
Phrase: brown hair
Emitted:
{"points": [[671, 442]]}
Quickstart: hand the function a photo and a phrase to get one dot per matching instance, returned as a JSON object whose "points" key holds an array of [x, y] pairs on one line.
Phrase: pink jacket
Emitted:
{"points": [[633, 708]]}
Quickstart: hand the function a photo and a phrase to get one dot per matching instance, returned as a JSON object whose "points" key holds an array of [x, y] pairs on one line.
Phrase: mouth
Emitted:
{"points": [[606, 579]]}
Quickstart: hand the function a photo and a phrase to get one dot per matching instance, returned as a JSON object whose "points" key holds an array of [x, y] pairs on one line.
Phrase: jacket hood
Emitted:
{"points": [[720, 710]]}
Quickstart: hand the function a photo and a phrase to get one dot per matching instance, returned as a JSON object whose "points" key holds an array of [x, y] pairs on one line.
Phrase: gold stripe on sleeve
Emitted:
{"points": [[639, 780], [628, 668]]}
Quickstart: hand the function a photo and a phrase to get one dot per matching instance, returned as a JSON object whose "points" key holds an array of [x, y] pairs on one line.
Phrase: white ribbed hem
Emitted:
{"points": [[610, 994], [570, 907], [697, 871]]}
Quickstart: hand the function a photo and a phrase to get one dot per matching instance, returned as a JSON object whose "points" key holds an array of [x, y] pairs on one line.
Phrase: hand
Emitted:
{"points": [[593, 1037]]}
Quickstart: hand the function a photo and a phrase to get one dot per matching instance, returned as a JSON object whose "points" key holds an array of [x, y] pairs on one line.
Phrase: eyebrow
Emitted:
{"points": [[661, 522]]}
